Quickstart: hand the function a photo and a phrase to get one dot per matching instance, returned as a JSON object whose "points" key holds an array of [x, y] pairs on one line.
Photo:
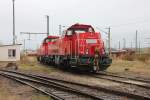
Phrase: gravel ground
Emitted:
{"points": [[11, 90], [102, 83], [20, 91]]}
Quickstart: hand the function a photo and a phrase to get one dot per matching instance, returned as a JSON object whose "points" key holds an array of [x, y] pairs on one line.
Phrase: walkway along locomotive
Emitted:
{"points": [[79, 47]]}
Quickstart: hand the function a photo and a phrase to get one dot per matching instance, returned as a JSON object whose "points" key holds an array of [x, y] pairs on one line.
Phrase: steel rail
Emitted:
{"points": [[33, 86], [56, 85], [121, 80], [120, 76], [130, 95]]}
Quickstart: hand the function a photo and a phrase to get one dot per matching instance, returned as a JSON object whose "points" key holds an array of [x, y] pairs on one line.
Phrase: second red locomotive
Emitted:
{"points": [[79, 47]]}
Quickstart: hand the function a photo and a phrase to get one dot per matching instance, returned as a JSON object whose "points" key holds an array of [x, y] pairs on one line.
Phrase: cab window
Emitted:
{"points": [[90, 30], [47, 40], [69, 32], [79, 31], [53, 40]]}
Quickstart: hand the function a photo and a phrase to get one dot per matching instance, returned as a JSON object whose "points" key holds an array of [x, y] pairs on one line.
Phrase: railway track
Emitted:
{"points": [[122, 79], [50, 88], [121, 76], [33, 85], [63, 90]]}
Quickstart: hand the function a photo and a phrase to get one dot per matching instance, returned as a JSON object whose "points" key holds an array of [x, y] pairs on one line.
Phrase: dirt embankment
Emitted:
{"points": [[11, 90]]}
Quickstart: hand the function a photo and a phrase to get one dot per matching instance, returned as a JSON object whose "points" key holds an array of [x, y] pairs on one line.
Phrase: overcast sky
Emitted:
{"points": [[123, 16]]}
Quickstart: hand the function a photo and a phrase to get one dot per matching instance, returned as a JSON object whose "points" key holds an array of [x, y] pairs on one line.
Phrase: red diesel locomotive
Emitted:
{"points": [[79, 47]]}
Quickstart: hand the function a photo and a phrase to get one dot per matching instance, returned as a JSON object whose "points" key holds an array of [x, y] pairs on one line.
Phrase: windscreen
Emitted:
{"points": [[80, 30]]}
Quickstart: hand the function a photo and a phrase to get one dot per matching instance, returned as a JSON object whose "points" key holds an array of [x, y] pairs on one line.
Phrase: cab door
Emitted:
{"points": [[69, 38]]}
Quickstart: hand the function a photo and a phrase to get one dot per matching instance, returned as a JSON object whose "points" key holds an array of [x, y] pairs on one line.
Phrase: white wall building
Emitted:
{"points": [[10, 52]]}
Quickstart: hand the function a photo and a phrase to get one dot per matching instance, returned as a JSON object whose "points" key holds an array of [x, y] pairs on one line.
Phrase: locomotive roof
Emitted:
{"points": [[80, 26], [53, 37]]}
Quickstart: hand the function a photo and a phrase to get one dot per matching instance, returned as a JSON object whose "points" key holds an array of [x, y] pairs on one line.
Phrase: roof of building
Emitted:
{"points": [[9, 45]]}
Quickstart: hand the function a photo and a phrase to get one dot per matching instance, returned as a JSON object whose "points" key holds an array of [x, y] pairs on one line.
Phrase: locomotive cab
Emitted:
{"points": [[43, 52], [87, 48]]}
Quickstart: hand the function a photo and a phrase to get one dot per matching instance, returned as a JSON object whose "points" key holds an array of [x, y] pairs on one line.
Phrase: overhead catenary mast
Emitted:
{"points": [[109, 38], [60, 29], [47, 25], [131, 45], [119, 45], [124, 43], [13, 22], [30, 33], [139, 47], [136, 44], [109, 45]]}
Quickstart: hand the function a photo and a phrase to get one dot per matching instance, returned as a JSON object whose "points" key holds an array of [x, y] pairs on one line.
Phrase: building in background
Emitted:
{"points": [[10, 53]]}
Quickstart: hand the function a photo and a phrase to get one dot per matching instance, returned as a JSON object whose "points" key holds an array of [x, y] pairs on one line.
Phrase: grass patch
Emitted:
{"points": [[143, 57], [139, 57], [36, 68], [121, 66], [5, 93], [41, 97], [29, 63], [129, 57]]}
